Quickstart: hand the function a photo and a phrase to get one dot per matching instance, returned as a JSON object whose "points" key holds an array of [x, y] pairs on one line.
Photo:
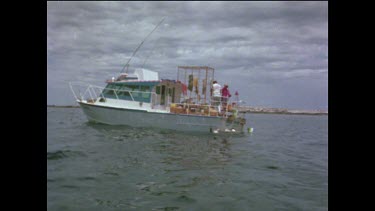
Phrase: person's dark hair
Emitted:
{"points": [[214, 82]]}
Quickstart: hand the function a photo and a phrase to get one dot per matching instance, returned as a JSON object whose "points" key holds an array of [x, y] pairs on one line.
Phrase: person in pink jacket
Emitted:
{"points": [[225, 94]]}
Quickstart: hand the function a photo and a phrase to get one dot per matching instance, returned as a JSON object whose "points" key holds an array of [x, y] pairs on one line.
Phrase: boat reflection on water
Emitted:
{"points": [[182, 150]]}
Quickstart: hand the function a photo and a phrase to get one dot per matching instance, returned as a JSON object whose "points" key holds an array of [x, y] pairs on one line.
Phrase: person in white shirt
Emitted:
{"points": [[216, 93]]}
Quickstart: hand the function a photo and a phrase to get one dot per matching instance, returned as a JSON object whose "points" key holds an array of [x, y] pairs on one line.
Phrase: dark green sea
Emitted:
{"points": [[282, 165]]}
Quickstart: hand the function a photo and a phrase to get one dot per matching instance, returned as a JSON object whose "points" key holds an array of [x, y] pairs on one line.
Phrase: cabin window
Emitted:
{"points": [[117, 90], [145, 94], [122, 94], [170, 93], [158, 90], [163, 90], [131, 87], [173, 92], [108, 91], [139, 93], [162, 96]]}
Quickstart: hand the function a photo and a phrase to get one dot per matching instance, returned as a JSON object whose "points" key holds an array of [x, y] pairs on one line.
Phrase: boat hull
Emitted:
{"points": [[139, 118]]}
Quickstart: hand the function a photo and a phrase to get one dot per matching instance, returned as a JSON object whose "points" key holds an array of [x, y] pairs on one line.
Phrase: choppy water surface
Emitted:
{"points": [[282, 165]]}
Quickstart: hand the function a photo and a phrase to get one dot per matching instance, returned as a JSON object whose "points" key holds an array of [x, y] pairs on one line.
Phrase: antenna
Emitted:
{"points": [[141, 45]]}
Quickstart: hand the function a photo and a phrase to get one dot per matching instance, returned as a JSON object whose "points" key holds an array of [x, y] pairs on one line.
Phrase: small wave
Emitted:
{"points": [[86, 178], [272, 167], [55, 180], [163, 193], [167, 208], [111, 173], [51, 180], [56, 155], [145, 187], [60, 154], [69, 186], [185, 198]]}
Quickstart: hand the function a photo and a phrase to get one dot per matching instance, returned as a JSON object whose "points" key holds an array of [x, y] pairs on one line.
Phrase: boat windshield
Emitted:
{"points": [[138, 92]]}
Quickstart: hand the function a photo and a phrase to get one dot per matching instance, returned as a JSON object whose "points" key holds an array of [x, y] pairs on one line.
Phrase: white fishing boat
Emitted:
{"points": [[142, 99]]}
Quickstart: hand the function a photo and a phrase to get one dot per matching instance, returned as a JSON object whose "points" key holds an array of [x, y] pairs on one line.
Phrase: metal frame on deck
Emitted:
{"points": [[183, 73]]}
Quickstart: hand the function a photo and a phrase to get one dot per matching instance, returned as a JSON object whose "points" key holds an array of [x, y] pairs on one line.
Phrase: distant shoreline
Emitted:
{"points": [[245, 110], [289, 113], [62, 106]]}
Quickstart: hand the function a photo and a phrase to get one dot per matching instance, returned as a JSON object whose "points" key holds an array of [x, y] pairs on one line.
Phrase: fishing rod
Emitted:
{"points": [[141, 45]]}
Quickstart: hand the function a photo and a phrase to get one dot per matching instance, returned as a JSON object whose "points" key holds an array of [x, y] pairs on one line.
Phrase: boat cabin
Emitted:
{"points": [[190, 94], [143, 86]]}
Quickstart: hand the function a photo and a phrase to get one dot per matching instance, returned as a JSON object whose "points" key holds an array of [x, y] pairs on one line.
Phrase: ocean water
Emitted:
{"points": [[282, 165]]}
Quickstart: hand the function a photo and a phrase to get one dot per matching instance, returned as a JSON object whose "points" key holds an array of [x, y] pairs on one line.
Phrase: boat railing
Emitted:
{"points": [[80, 90]]}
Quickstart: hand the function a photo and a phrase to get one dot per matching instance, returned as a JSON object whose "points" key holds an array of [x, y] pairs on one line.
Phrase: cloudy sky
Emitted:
{"points": [[275, 54]]}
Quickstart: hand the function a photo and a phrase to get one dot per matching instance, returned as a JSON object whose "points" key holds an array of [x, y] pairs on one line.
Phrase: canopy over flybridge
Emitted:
{"points": [[139, 74], [146, 75]]}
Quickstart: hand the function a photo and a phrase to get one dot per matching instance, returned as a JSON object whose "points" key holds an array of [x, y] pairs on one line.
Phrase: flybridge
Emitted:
{"points": [[138, 75]]}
